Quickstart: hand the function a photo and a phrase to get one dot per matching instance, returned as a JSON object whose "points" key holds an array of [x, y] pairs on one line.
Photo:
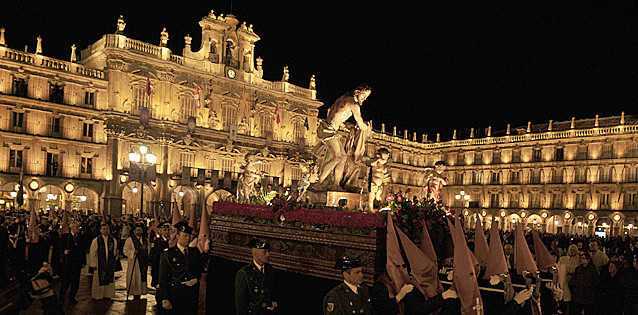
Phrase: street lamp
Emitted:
{"points": [[144, 159]]}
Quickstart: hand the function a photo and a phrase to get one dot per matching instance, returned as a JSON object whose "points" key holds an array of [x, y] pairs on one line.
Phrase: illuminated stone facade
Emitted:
{"points": [[69, 127], [578, 176]]}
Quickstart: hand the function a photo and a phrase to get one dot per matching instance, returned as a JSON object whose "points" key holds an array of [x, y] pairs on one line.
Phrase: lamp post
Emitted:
{"points": [[144, 159], [466, 199]]}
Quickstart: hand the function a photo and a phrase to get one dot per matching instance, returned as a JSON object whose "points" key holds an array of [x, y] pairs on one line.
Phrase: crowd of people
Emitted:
{"points": [[60, 245], [590, 275]]}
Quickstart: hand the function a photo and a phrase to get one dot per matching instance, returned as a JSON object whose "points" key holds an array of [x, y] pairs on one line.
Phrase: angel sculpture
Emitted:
{"points": [[380, 177], [310, 176], [249, 178]]}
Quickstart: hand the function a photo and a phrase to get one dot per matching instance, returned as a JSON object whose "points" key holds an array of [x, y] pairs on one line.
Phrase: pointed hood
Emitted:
{"points": [[192, 221], [204, 230], [176, 218], [65, 222], [426, 245], [543, 258], [51, 214], [522, 256], [496, 263], [394, 265], [480, 244], [425, 275], [464, 276], [33, 230]]}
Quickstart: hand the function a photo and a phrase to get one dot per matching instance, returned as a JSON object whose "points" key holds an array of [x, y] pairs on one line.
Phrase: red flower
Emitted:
{"points": [[399, 198], [390, 197]]}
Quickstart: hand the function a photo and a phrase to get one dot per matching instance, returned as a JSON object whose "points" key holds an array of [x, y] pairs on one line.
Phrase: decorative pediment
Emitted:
{"points": [[188, 140]]}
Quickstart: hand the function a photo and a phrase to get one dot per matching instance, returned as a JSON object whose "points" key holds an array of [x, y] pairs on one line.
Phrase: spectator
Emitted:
{"points": [[598, 258], [582, 286]]}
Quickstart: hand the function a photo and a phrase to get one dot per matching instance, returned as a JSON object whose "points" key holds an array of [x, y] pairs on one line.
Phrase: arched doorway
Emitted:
{"points": [[511, 221], [579, 225], [50, 198], [555, 224], [629, 227], [8, 193], [217, 195], [603, 227], [186, 199], [131, 198], [535, 221], [85, 200]]}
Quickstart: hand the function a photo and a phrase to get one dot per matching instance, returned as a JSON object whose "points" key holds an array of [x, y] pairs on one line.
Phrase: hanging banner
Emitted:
{"points": [[191, 125], [144, 116], [233, 132], [186, 175], [269, 138], [201, 176]]}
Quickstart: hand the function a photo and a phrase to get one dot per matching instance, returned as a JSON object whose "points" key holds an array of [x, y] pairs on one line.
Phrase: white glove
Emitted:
{"points": [[495, 279], [523, 296], [193, 243], [166, 304], [449, 294], [190, 282], [407, 288], [207, 245]]}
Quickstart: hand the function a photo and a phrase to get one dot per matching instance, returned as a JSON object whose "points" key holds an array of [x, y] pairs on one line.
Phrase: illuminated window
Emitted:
{"points": [[265, 124], [187, 107], [140, 99], [229, 117], [86, 167], [15, 158]]}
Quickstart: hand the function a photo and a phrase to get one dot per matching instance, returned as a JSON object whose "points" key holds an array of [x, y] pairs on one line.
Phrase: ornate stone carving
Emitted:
{"points": [[116, 64]]}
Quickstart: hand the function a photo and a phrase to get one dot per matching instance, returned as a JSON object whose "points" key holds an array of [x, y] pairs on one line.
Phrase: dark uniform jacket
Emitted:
{"points": [[342, 300], [254, 290], [175, 268], [158, 246]]}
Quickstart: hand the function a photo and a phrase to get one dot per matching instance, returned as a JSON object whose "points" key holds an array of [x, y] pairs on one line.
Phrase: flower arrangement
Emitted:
{"points": [[285, 209], [410, 213]]}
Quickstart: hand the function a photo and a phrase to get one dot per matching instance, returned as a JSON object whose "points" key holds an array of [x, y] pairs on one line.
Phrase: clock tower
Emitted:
{"points": [[227, 46]]}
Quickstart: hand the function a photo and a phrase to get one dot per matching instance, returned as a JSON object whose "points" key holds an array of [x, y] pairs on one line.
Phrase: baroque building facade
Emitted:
{"points": [[68, 127]]}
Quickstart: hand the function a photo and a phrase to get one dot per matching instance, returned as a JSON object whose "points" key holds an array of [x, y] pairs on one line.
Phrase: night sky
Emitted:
{"points": [[433, 67]]}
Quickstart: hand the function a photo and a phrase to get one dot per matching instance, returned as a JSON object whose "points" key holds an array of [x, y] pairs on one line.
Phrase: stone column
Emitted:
{"points": [[112, 196]]}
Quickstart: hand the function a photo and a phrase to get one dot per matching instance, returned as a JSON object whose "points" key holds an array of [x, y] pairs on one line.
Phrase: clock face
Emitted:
{"points": [[231, 73]]}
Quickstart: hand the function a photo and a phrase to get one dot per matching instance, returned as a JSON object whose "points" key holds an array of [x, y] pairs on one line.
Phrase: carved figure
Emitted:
{"points": [[249, 178], [380, 176], [313, 84], [120, 25], [343, 108], [163, 37], [310, 176], [286, 75], [434, 180]]}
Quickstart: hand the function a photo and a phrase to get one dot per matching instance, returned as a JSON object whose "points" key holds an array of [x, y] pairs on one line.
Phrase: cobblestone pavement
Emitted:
{"points": [[117, 305]]}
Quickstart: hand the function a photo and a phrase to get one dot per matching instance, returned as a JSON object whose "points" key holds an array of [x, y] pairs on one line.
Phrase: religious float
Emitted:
{"points": [[308, 239]]}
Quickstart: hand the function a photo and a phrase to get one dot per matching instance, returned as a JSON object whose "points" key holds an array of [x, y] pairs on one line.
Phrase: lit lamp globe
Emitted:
{"points": [[133, 156], [151, 158]]}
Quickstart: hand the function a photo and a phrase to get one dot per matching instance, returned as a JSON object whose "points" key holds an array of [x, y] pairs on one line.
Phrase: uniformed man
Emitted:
{"points": [[254, 292], [350, 297], [179, 270], [157, 248]]}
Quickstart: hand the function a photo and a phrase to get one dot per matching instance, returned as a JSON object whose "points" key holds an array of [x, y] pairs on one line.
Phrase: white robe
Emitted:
{"points": [[100, 291], [135, 282]]}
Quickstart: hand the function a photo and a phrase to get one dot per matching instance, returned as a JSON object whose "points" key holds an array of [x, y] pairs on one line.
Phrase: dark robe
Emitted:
{"points": [[106, 269]]}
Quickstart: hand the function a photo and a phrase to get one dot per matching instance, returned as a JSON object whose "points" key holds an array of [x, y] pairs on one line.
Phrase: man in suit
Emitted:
{"points": [[179, 272], [73, 246], [254, 292], [350, 297]]}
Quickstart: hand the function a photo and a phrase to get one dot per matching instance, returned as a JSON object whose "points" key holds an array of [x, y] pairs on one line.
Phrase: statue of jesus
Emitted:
{"points": [[346, 106]]}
